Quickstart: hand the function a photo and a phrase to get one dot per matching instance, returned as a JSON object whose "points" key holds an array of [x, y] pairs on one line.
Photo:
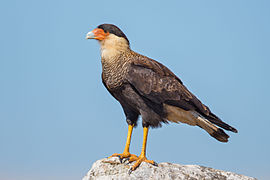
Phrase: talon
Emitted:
{"points": [[120, 159], [125, 160], [128, 160], [155, 164], [130, 171]]}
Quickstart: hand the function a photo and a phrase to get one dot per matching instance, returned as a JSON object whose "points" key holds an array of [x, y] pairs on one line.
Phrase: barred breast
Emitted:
{"points": [[114, 73]]}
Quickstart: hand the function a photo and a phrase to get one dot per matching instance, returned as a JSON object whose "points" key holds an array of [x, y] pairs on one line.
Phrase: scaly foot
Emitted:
{"points": [[139, 160], [124, 155]]}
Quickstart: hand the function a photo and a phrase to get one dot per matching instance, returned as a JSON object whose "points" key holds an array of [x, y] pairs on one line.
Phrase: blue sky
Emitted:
{"points": [[57, 118]]}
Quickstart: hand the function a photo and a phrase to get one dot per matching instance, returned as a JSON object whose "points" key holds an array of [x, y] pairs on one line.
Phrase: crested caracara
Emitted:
{"points": [[146, 88]]}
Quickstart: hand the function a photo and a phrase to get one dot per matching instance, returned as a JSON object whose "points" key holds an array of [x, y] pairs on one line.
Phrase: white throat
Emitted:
{"points": [[113, 46]]}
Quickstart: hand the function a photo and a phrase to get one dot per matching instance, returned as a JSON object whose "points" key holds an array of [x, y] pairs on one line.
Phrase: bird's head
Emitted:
{"points": [[108, 33], [112, 40]]}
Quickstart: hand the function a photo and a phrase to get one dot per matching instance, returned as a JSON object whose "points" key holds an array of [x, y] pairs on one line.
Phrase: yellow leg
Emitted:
{"points": [[126, 153], [142, 157]]}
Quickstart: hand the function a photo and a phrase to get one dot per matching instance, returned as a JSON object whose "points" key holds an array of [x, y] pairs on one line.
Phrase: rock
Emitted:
{"points": [[107, 169]]}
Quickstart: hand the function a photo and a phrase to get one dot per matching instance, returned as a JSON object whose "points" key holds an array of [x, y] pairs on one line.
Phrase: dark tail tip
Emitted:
{"points": [[233, 130], [214, 119], [220, 135]]}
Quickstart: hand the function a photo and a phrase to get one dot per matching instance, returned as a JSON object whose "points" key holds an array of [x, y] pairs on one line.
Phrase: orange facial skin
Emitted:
{"points": [[100, 34]]}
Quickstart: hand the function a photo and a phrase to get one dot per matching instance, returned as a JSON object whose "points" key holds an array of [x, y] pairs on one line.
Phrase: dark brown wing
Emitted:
{"points": [[157, 83]]}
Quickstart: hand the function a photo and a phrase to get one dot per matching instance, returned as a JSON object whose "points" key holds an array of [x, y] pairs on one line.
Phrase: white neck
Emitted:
{"points": [[113, 46]]}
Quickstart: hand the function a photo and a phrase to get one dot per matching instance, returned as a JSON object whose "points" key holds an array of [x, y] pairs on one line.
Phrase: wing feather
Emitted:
{"points": [[157, 83]]}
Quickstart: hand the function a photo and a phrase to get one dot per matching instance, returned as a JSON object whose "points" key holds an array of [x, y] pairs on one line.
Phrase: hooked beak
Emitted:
{"points": [[90, 35], [97, 34]]}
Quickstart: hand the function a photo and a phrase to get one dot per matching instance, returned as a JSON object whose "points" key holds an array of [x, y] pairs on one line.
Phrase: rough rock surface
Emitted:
{"points": [[107, 169]]}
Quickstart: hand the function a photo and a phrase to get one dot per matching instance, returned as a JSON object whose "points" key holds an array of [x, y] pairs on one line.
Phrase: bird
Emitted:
{"points": [[146, 88]]}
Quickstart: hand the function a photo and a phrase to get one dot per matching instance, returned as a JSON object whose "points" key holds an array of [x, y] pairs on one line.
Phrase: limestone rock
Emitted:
{"points": [[108, 169]]}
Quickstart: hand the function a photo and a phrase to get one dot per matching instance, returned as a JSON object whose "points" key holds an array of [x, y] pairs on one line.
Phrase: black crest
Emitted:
{"points": [[113, 30]]}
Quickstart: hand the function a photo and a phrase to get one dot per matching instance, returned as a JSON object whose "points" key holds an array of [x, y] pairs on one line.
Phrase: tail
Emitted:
{"points": [[214, 119], [213, 130], [176, 114]]}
